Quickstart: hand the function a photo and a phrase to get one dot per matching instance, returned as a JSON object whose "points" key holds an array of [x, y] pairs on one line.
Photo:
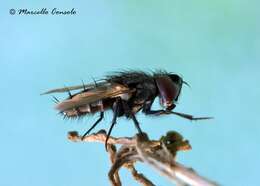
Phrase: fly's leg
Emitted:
{"points": [[147, 110], [116, 111], [94, 125], [100, 103], [137, 125], [156, 112], [190, 117], [129, 112]]}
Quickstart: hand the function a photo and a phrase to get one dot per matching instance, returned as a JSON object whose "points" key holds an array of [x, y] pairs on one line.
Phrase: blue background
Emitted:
{"points": [[214, 45]]}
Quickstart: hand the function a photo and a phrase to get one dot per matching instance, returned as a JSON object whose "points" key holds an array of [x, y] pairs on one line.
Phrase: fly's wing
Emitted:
{"points": [[94, 95], [66, 89]]}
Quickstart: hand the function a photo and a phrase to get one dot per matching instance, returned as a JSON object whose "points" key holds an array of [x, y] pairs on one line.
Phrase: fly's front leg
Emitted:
{"points": [[156, 112], [147, 109]]}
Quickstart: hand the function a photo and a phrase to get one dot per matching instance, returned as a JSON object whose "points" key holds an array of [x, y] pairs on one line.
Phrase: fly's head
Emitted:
{"points": [[169, 87]]}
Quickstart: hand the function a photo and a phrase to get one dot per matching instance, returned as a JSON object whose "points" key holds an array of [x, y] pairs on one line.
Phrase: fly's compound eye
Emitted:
{"points": [[168, 91]]}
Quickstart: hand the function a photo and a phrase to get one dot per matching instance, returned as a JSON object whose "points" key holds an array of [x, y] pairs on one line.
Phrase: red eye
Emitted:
{"points": [[168, 90]]}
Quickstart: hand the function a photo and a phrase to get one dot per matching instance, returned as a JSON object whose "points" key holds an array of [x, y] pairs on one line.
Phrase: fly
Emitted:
{"points": [[125, 93]]}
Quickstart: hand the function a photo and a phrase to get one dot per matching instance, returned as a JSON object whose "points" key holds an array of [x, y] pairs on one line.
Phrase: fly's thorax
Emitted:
{"points": [[125, 92], [125, 96]]}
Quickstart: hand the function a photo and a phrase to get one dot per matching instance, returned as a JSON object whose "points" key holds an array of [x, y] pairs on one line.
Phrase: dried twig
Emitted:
{"points": [[124, 157], [139, 177], [112, 152], [167, 166], [159, 154], [101, 137]]}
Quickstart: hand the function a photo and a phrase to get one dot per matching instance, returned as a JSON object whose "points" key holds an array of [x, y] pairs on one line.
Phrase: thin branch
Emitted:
{"points": [[167, 166], [100, 137], [112, 152], [127, 157], [139, 177], [159, 154]]}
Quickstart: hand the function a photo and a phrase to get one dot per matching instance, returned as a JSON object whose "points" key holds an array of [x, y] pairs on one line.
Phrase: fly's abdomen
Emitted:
{"points": [[91, 108]]}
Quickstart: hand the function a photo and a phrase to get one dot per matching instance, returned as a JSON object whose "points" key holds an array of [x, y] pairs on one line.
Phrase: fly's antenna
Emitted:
{"points": [[185, 83], [55, 100]]}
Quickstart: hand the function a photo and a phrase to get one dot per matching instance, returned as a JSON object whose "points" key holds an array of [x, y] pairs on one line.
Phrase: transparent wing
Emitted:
{"points": [[94, 95], [65, 89]]}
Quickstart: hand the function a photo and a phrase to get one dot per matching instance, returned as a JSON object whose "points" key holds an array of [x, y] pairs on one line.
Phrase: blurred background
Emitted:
{"points": [[213, 45]]}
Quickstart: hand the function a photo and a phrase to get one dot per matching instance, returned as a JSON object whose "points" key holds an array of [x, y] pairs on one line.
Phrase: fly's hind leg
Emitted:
{"points": [[99, 119], [94, 125]]}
